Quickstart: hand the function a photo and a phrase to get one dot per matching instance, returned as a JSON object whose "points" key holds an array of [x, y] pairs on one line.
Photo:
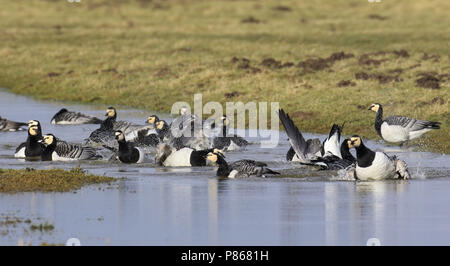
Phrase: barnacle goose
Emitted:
{"points": [[66, 117], [59, 150], [400, 128], [8, 125], [31, 148], [228, 141], [241, 168], [375, 165], [128, 152], [169, 156]]}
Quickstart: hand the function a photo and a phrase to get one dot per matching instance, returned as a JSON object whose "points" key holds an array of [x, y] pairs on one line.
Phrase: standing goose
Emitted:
{"points": [[59, 150], [31, 148], [169, 156], [241, 168], [8, 125], [400, 128], [375, 165], [65, 117], [228, 141], [128, 152]]}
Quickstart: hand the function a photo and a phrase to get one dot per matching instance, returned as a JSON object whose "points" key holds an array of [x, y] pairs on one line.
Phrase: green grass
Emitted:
{"points": [[149, 54], [56, 180]]}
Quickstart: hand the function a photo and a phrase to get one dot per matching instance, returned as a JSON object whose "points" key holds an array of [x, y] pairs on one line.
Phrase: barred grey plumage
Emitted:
{"points": [[247, 168], [411, 123], [65, 117], [8, 125], [74, 151]]}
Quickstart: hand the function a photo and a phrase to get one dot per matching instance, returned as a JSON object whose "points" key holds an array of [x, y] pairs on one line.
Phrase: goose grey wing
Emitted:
{"points": [[245, 167], [411, 123], [296, 138], [75, 151]]}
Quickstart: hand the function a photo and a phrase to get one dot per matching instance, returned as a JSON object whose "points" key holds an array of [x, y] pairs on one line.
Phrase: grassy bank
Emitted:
{"points": [[57, 180], [149, 54]]}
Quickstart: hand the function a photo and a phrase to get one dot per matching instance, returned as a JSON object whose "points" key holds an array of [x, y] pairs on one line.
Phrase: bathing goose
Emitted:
{"points": [[8, 125], [400, 128], [105, 134], [241, 168], [375, 165], [31, 148], [228, 141], [59, 150], [196, 141], [169, 156], [66, 117], [331, 145], [189, 129], [333, 162], [303, 151], [128, 152]]}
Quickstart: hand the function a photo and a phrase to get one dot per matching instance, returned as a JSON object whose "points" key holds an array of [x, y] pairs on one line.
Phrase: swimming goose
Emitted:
{"points": [[65, 117], [241, 168], [59, 150], [375, 165], [31, 148], [169, 156], [128, 152], [228, 141], [400, 128], [8, 125]]}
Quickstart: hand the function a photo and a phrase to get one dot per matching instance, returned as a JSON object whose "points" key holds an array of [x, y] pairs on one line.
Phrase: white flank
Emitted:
{"points": [[181, 157], [394, 133], [382, 167]]}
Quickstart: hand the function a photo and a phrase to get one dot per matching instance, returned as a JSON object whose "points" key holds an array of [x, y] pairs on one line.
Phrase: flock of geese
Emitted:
{"points": [[191, 141]]}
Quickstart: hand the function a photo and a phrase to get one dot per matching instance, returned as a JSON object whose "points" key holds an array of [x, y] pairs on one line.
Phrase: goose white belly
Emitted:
{"points": [[181, 157], [141, 155], [394, 133], [56, 157], [381, 168]]}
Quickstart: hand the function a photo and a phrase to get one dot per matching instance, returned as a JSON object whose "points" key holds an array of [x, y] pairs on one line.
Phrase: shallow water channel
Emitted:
{"points": [[190, 206]]}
